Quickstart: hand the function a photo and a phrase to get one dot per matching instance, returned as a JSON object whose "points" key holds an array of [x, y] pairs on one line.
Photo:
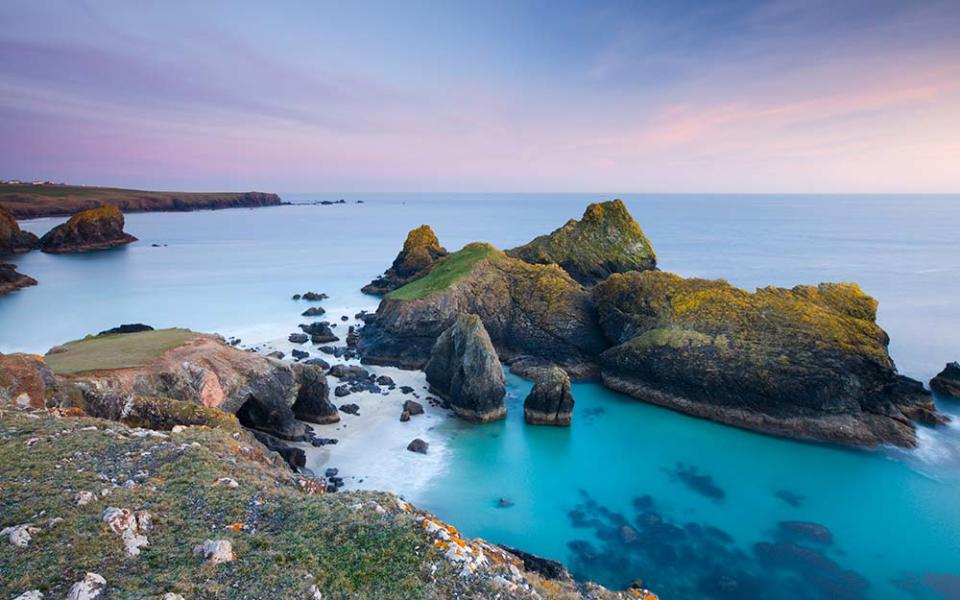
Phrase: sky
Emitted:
{"points": [[594, 96]]}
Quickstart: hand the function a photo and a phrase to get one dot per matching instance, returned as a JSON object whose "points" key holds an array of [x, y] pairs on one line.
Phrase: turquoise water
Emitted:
{"points": [[703, 500]]}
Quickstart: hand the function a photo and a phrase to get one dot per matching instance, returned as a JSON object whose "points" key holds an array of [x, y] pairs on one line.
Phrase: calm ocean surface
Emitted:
{"points": [[630, 490]]}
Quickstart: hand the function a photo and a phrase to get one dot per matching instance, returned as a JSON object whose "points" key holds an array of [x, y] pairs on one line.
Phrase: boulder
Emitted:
{"points": [[412, 407], [314, 296], [606, 240], [215, 551], [350, 409], [14, 240], [93, 229], [11, 280], [313, 311], [807, 362], [319, 332], [420, 251], [464, 369], [88, 588], [313, 398], [299, 354], [419, 446], [947, 382], [298, 338], [349, 372], [130, 526], [550, 402]]}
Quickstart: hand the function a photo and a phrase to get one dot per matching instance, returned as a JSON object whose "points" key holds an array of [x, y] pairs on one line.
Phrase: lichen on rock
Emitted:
{"points": [[420, 251], [14, 240], [93, 229]]}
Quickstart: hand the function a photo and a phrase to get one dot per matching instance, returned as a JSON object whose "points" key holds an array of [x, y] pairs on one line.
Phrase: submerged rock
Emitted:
{"points": [[464, 369], [14, 240], [93, 229], [420, 250], [947, 382], [808, 362], [550, 402], [606, 240], [12, 280]]}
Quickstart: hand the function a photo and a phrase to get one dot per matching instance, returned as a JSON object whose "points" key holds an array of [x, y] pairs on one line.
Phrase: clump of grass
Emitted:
{"points": [[445, 273], [116, 351]]}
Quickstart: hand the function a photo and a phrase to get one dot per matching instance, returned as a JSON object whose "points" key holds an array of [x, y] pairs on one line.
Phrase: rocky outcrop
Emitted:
{"points": [[808, 362], [25, 380], [550, 402], [108, 372], [464, 370], [527, 310], [420, 251], [605, 240], [94, 229], [12, 238], [11, 280], [947, 382]]}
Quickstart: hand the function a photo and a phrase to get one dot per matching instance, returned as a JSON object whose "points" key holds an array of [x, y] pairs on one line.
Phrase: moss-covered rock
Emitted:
{"points": [[93, 229], [808, 362], [605, 240], [527, 309], [420, 251], [12, 238]]}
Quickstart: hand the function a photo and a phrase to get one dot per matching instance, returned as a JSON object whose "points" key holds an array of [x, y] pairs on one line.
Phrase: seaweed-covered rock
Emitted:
{"points": [[947, 382], [808, 362], [526, 309], [420, 250], [605, 240], [464, 369], [550, 402], [12, 238], [94, 229], [12, 280]]}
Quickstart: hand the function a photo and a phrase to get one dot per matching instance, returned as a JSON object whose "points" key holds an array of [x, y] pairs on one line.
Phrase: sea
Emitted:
{"points": [[630, 491]]}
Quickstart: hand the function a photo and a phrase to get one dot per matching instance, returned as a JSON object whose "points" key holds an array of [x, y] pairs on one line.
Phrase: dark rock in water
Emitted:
{"points": [[93, 229], [127, 328], [350, 409], [628, 535], [385, 380], [313, 398], [550, 402], [344, 318], [805, 530], [464, 369], [698, 482], [297, 353], [606, 240], [14, 240], [406, 389], [549, 569], [947, 382], [404, 417], [413, 407], [296, 297], [318, 442], [349, 372], [327, 350], [420, 251], [276, 354], [807, 362], [793, 499], [313, 311], [829, 578], [331, 472], [341, 390], [418, 446], [314, 296], [320, 332], [317, 362], [298, 338], [11, 280], [505, 503]]}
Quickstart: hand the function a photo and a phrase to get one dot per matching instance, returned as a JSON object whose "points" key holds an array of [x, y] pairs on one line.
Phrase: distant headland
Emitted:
{"points": [[28, 200]]}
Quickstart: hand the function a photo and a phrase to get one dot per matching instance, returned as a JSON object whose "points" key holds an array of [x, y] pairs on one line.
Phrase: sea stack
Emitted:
{"points": [[94, 229], [14, 240], [947, 382], [465, 370], [420, 250], [12, 280], [550, 402], [605, 240]]}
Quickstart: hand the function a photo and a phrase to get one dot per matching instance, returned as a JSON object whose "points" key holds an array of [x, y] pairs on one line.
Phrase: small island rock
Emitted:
{"points": [[94, 229], [550, 402], [12, 238], [420, 250], [947, 382]]}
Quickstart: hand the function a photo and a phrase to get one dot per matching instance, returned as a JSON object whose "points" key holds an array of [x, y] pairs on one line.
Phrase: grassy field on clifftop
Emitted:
{"points": [[117, 351], [446, 272]]}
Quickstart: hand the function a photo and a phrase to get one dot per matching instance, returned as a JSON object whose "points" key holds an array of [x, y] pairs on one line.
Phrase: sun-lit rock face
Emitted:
{"points": [[605, 240], [94, 229], [420, 251], [12, 238], [807, 362]]}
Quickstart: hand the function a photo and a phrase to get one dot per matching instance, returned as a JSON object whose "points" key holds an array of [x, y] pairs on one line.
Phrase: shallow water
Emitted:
{"points": [[702, 499]]}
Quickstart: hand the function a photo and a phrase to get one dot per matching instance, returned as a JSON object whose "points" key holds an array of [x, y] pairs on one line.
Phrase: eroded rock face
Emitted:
{"points": [[12, 238], [808, 362], [420, 250], [94, 229], [465, 370], [313, 398], [11, 280], [605, 240], [25, 380], [526, 309], [550, 402], [947, 382]]}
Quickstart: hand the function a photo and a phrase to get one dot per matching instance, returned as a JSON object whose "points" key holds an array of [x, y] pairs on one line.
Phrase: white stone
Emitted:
{"points": [[129, 525], [172, 596], [227, 481], [31, 595], [215, 551], [20, 535], [314, 593], [90, 587], [85, 497]]}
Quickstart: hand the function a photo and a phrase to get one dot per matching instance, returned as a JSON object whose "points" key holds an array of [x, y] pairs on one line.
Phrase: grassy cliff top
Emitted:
{"points": [[115, 351], [445, 273]]}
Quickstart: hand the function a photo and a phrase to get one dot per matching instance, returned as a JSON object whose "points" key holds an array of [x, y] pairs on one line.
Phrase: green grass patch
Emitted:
{"points": [[117, 351], [445, 273]]}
